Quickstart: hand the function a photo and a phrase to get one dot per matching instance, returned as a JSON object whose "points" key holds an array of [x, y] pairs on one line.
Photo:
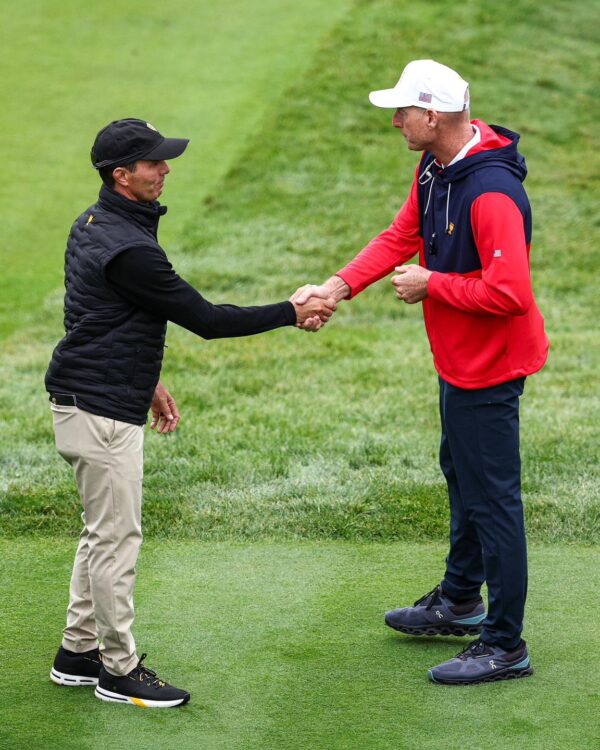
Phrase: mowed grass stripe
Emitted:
{"points": [[206, 71], [283, 645]]}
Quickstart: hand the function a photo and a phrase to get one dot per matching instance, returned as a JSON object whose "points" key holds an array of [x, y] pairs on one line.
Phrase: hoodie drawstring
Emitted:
{"points": [[429, 196], [425, 177]]}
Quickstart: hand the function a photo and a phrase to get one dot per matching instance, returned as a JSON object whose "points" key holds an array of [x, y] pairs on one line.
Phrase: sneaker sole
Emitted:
{"points": [[72, 680], [438, 629], [507, 674], [106, 695]]}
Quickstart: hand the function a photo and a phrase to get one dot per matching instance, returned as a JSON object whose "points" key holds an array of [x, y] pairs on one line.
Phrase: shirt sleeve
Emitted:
{"points": [[392, 247], [145, 278], [504, 287]]}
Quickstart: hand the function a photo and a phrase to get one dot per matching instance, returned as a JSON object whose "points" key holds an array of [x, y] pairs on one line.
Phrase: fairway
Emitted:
{"points": [[284, 646], [301, 495]]}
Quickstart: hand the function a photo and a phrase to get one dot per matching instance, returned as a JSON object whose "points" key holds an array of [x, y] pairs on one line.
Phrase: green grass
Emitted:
{"points": [[335, 436], [283, 646], [289, 441], [206, 71]]}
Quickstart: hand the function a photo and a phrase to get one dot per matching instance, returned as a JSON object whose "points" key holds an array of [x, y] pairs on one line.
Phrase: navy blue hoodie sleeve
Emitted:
{"points": [[146, 279]]}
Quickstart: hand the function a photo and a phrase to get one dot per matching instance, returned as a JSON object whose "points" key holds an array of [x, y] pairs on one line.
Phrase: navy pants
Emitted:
{"points": [[479, 456]]}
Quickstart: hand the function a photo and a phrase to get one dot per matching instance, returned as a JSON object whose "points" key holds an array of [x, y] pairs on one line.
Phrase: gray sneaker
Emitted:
{"points": [[480, 662], [436, 614]]}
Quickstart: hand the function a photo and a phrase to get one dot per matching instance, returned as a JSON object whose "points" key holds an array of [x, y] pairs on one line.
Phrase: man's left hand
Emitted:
{"points": [[410, 283], [164, 410]]}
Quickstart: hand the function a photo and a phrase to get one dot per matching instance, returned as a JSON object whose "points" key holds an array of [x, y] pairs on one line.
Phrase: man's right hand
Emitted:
{"points": [[314, 313], [333, 290], [334, 287]]}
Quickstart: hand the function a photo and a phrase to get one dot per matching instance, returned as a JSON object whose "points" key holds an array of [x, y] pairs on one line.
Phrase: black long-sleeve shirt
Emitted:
{"points": [[146, 279]]}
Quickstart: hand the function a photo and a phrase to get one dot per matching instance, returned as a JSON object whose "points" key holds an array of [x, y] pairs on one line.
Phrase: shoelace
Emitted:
{"points": [[148, 674], [477, 648], [435, 597]]}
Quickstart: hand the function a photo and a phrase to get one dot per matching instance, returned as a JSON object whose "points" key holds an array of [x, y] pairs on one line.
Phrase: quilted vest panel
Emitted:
{"points": [[111, 354]]}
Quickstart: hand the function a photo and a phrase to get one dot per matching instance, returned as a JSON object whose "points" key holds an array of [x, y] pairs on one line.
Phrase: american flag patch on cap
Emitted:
{"points": [[423, 97]]}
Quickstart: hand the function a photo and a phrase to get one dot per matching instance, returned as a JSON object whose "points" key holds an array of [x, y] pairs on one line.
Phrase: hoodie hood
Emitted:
{"points": [[497, 148]]}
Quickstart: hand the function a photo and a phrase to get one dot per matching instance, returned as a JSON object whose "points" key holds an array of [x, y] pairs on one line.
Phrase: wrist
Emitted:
{"points": [[337, 288]]}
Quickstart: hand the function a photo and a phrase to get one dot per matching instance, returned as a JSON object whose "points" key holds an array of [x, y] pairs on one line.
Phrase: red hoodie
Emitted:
{"points": [[481, 318]]}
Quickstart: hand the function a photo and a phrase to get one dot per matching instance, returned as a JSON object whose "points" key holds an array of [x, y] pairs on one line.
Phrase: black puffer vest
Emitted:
{"points": [[111, 355]]}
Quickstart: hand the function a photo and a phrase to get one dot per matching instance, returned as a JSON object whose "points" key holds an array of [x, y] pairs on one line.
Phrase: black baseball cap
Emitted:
{"points": [[125, 141]]}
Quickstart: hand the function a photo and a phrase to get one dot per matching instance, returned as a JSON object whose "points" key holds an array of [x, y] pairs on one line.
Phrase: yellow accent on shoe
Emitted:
{"points": [[138, 702]]}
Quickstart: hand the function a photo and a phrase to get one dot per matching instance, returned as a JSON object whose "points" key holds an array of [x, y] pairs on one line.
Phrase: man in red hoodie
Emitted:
{"points": [[468, 218]]}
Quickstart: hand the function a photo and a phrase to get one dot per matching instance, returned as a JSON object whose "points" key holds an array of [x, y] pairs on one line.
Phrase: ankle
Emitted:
{"points": [[461, 600]]}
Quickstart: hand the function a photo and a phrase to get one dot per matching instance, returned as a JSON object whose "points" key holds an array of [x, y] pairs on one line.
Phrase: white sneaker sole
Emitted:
{"points": [[72, 680], [106, 695]]}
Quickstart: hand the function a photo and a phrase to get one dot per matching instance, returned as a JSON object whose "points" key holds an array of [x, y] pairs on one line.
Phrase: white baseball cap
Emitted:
{"points": [[427, 84]]}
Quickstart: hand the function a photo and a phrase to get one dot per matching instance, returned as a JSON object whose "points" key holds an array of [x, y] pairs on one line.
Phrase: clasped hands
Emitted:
{"points": [[314, 304]]}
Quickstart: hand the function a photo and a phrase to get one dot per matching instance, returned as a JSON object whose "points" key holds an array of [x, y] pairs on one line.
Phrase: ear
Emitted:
{"points": [[120, 176], [432, 117]]}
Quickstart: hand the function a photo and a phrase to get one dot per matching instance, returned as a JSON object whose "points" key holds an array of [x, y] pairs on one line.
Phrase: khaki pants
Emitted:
{"points": [[107, 457]]}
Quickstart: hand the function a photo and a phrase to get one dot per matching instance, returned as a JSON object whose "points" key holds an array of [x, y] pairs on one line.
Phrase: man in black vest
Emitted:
{"points": [[104, 378]]}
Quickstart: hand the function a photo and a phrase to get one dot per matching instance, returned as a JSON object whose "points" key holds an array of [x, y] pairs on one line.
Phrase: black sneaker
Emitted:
{"points": [[480, 662], [141, 687], [74, 669], [436, 614]]}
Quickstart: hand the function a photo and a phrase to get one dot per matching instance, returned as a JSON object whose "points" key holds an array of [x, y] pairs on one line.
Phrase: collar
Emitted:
{"points": [[146, 214]]}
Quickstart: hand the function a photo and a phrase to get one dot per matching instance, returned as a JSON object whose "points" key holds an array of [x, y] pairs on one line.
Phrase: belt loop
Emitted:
{"points": [[63, 399]]}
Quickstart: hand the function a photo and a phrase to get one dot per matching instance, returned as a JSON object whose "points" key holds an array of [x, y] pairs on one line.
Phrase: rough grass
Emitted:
{"points": [[335, 435]]}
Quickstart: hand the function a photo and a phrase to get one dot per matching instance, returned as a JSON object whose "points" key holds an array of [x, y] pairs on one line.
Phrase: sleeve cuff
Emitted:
{"points": [[433, 285], [289, 312]]}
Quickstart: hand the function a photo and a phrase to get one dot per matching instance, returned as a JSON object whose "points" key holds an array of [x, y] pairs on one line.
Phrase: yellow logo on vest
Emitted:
{"points": [[90, 219]]}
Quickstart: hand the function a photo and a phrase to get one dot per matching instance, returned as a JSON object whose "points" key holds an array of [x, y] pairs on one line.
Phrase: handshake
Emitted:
{"points": [[314, 305]]}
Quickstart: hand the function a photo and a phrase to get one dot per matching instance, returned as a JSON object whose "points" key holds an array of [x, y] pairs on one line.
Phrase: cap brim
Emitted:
{"points": [[389, 99], [170, 148]]}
